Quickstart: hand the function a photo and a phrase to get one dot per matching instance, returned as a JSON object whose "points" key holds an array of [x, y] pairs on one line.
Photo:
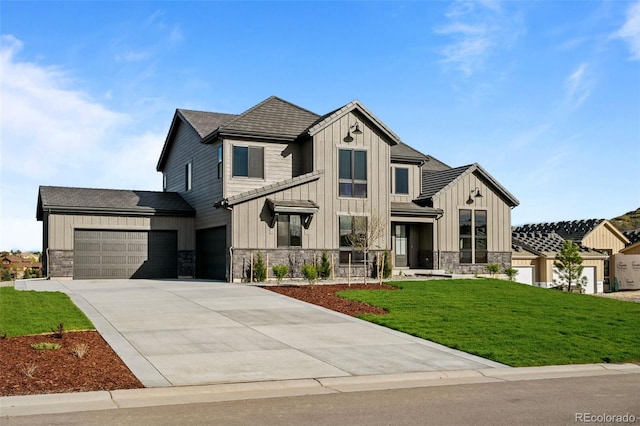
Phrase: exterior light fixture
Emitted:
{"points": [[356, 131], [476, 195]]}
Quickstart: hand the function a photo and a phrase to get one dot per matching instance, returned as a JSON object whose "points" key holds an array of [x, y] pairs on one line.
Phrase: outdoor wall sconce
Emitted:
{"points": [[477, 195], [356, 131]]}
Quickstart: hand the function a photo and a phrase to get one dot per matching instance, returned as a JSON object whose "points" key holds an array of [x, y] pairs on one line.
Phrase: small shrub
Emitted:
{"points": [[493, 268], [310, 272], [80, 350], [58, 331], [259, 270], [511, 273], [280, 271], [45, 346], [28, 370], [324, 270]]}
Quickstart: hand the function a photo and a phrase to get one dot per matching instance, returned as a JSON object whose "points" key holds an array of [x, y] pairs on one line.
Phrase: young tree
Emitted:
{"points": [[569, 264], [364, 240]]}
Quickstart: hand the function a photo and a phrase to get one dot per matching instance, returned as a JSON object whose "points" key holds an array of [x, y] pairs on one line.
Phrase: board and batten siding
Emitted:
{"points": [[415, 183], [602, 237], [327, 143], [279, 160], [206, 188], [455, 199], [61, 227]]}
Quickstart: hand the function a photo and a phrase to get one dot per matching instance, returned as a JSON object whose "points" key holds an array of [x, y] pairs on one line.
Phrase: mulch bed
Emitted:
{"points": [[325, 295], [59, 370]]}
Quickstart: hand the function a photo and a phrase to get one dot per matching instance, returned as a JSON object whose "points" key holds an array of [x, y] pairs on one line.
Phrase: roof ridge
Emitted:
{"points": [[259, 105]]}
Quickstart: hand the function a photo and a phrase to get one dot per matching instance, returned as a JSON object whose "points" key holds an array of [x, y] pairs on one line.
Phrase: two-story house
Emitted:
{"points": [[290, 184]]}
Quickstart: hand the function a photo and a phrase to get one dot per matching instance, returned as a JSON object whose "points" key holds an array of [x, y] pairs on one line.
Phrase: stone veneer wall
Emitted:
{"points": [[186, 263], [60, 263], [294, 259], [450, 261]]}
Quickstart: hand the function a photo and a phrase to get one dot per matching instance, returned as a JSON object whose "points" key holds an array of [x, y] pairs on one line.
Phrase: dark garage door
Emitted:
{"points": [[125, 254], [211, 253]]}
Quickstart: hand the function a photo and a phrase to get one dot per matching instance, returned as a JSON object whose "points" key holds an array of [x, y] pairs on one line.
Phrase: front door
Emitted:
{"points": [[402, 246]]}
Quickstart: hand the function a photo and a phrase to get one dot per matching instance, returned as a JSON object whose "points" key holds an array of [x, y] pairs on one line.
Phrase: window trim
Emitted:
{"points": [[472, 252], [352, 181], [395, 180], [250, 149], [188, 176]]}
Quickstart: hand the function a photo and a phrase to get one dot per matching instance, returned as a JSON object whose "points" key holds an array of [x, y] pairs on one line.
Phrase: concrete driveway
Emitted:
{"points": [[177, 332]]}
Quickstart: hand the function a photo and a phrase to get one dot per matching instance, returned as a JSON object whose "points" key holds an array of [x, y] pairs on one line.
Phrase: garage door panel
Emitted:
{"points": [[125, 254]]}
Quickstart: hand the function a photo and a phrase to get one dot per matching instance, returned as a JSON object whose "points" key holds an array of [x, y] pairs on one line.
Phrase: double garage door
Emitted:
{"points": [[125, 254]]}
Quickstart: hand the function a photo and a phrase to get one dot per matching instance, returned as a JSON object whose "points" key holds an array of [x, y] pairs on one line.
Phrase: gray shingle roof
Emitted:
{"points": [[272, 117], [543, 242], [436, 181], [110, 201], [574, 230], [205, 123]]}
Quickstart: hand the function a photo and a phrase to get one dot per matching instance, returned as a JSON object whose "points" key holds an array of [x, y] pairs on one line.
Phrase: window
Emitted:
{"points": [[164, 181], [187, 177], [248, 161], [289, 230], [473, 236], [351, 228], [220, 170], [401, 181], [352, 173]]}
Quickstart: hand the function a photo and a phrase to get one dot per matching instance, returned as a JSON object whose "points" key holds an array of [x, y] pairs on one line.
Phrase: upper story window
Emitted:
{"points": [[473, 236], [164, 181], [401, 180], [289, 230], [248, 161], [352, 173], [220, 169], [187, 176]]}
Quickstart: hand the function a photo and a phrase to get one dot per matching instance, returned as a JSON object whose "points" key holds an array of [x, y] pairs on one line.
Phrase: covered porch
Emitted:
{"points": [[413, 237]]}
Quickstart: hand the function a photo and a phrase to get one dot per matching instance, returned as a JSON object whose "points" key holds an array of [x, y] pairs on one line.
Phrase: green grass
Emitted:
{"points": [[511, 323], [33, 312]]}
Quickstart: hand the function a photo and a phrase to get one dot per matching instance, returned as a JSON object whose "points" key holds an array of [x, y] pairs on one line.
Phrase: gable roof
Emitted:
{"points": [[204, 123], [545, 242], [435, 183], [404, 153], [334, 115], [60, 199], [574, 230]]}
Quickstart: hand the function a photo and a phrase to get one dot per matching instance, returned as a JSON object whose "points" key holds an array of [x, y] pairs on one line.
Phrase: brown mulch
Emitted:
{"points": [[325, 295], [59, 370]]}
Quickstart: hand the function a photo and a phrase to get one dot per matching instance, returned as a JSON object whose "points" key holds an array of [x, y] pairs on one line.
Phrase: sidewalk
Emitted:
{"points": [[89, 401]]}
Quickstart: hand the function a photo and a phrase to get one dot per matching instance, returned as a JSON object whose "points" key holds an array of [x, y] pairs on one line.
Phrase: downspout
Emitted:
{"points": [[231, 264]]}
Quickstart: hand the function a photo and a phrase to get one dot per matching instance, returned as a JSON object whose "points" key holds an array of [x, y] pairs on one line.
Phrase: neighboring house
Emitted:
{"points": [[17, 265], [627, 263], [597, 239], [288, 183]]}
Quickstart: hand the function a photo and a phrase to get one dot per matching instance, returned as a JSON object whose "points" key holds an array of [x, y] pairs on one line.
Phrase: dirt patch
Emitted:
{"points": [[29, 371], [628, 295], [325, 295]]}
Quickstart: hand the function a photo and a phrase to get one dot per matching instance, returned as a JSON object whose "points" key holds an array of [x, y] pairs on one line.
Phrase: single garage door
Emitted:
{"points": [[211, 253], [125, 254], [525, 274]]}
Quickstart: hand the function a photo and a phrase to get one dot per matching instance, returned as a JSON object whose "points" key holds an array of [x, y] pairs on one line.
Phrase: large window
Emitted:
{"points": [[352, 173], [187, 177], [401, 180], [289, 230], [473, 236], [248, 161], [352, 231]]}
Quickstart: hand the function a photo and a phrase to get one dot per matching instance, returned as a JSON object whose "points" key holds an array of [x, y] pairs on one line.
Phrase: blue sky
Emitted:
{"points": [[544, 95]]}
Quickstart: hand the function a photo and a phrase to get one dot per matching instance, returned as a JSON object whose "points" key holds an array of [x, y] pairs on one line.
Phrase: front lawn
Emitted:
{"points": [[514, 324], [32, 312]]}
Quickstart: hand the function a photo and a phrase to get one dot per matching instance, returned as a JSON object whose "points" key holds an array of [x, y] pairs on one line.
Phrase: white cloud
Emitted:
{"points": [[630, 31], [53, 134], [579, 85], [477, 29]]}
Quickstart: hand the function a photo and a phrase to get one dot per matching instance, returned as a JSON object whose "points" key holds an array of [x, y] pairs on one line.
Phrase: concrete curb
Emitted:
{"points": [[149, 397]]}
